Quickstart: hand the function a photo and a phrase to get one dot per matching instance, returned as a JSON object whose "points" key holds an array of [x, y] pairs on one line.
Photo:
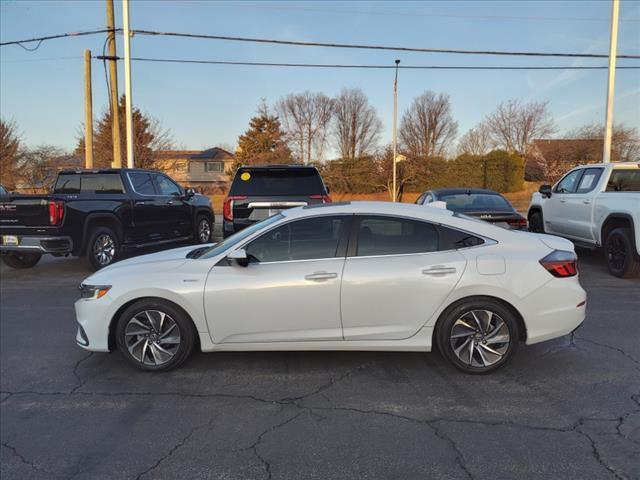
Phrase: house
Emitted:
{"points": [[547, 159], [205, 170]]}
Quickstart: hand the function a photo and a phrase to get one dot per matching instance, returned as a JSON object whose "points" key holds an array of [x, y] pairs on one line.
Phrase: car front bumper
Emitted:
{"points": [[93, 318]]}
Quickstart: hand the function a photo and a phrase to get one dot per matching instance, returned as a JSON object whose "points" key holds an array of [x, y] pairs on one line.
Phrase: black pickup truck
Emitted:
{"points": [[98, 214]]}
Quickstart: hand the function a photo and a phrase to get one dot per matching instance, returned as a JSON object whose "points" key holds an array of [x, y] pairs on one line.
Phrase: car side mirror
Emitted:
{"points": [[238, 257], [189, 192], [545, 190]]}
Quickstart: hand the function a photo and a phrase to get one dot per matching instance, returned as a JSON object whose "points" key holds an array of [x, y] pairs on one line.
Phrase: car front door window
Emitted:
{"points": [[313, 238], [569, 183], [167, 187]]}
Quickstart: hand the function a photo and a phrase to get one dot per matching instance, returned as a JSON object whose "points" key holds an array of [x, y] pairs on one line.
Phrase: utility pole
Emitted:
{"points": [[88, 112], [127, 81], [395, 129], [613, 49], [113, 83]]}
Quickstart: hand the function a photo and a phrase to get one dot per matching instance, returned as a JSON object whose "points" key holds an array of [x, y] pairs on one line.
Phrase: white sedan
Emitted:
{"points": [[342, 276]]}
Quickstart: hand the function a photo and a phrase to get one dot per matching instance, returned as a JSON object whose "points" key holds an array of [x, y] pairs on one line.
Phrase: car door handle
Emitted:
{"points": [[170, 202], [562, 200], [141, 202], [587, 202], [321, 276], [439, 270]]}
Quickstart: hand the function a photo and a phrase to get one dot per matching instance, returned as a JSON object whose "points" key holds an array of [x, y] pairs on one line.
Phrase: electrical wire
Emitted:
{"points": [[52, 37], [362, 66], [375, 47]]}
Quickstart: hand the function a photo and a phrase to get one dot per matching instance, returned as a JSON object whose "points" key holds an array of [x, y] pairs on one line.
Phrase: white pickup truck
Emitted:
{"points": [[595, 205]]}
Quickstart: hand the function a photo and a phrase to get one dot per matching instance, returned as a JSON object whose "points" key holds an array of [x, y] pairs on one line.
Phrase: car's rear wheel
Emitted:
{"points": [[535, 223], [204, 229], [155, 335], [620, 255], [21, 259], [478, 335], [102, 248]]}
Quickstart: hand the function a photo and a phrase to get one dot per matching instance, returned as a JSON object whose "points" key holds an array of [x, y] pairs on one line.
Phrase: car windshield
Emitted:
{"points": [[475, 202], [285, 181], [236, 238]]}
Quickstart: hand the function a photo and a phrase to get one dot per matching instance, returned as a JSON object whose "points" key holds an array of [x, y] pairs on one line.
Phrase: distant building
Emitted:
{"points": [[547, 159], [205, 170]]}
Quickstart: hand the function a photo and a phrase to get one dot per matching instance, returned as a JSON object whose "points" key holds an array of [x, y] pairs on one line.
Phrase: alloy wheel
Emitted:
{"points": [[204, 231], [480, 338], [104, 249], [616, 252], [152, 337]]}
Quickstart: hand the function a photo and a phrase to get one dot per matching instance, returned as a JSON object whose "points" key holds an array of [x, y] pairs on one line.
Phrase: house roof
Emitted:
{"points": [[214, 153]]}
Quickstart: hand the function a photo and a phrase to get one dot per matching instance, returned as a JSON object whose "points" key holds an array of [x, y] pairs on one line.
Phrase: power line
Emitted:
{"points": [[375, 47], [52, 37], [423, 14], [361, 66]]}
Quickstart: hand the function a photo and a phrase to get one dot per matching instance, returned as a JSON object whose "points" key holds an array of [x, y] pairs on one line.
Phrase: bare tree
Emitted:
{"points": [[514, 125], [10, 153], [476, 141], [306, 117], [427, 128], [625, 142], [357, 126], [38, 168]]}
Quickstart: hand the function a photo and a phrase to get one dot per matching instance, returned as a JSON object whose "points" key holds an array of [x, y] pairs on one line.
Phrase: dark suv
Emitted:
{"points": [[261, 191]]}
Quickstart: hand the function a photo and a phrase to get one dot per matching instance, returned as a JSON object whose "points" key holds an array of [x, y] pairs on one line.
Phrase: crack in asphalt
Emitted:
{"points": [[610, 347], [254, 446], [79, 381], [23, 459]]}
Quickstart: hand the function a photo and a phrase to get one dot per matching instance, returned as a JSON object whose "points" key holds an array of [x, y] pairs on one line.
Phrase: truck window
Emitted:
{"points": [[166, 186], [277, 181], [67, 184], [142, 183], [569, 183], [103, 183], [624, 181], [589, 180]]}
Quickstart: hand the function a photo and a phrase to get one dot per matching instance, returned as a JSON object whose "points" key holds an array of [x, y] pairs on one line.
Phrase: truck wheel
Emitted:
{"points": [[21, 259], [620, 255], [535, 223], [102, 248], [204, 229]]}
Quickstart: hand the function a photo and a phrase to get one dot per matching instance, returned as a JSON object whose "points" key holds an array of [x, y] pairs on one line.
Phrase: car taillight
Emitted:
{"points": [[560, 263], [518, 222], [56, 212], [227, 208], [324, 198]]}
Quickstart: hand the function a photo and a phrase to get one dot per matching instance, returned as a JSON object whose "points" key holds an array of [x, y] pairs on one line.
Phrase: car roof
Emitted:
{"points": [[80, 171], [463, 191], [277, 167]]}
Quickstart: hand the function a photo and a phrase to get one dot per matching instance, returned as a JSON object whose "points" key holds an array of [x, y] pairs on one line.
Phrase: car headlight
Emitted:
{"points": [[93, 292]]}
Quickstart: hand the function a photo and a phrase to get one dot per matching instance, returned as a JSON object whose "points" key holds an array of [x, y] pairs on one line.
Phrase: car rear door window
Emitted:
{"points": [[142, 183], [452, 239], [626, 180], [311, 238], [395, 236], [67, 184], [102, 183]]}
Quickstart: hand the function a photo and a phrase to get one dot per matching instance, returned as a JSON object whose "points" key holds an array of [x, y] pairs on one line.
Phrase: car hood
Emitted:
{"points": [[147, 264]]}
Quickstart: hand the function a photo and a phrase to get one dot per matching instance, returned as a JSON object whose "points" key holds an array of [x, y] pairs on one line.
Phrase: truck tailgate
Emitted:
{"points": [[24, 211]]}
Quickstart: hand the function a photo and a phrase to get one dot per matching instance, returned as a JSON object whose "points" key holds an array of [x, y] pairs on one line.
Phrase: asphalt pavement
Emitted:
{"points": [[564, 409]]}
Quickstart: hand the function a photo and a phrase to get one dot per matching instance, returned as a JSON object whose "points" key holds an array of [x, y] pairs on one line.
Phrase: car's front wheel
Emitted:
{"points": [[21, 259], [620, 255], [102, 248], [155, 335], [204, 229], [478, 335]]}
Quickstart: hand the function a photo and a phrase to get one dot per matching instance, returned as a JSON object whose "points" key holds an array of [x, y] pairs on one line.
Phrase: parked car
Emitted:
{"points": [[477, 202], [259, 192], [595, 205], [3, 190], [342, 276], [100, 213]]}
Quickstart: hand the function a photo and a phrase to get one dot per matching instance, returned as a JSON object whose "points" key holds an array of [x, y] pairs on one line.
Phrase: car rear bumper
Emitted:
{"points": [[554, 310], [38, 244]]}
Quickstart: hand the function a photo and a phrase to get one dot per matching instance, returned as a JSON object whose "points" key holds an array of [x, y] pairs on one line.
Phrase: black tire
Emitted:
{"points": [[183, 325], [481, 341], [620, 254], [535, 223], [200, 235], [21, 260], [96, 253]]}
